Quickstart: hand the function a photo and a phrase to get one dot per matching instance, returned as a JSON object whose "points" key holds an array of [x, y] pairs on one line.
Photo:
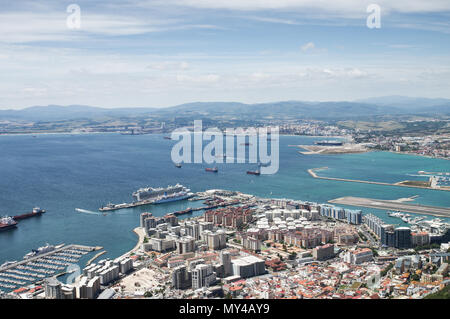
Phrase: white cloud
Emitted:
{"points": [[169, 65], [343, 7], [273, 20], [198, 79], [308, 46], [24, 27], [37, 92]]}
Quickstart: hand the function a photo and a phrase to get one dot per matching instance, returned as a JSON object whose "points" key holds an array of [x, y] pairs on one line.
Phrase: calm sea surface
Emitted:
{"points": [[62, 172]]}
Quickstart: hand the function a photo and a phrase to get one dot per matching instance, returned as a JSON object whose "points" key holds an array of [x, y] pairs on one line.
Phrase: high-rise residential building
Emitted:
{"points": [[52, 287], [354, 216], [251, 243], [87, 288], [215, 240], [125, 265], [181, 278], [143, 217], [162, 244], [205, 226], [203, 276], [171, 219], [225, 260], [323, 252], [185, 244], [402, 237], [192, 229], [420, 239], [387, 235]]}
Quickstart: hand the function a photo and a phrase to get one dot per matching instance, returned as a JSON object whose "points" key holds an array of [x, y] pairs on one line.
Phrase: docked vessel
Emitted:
{"points": [[111, 206], [8, 263], [183, 212], [162, 195], [41, 250], [7, 223], [36, 212], [214, 169]]}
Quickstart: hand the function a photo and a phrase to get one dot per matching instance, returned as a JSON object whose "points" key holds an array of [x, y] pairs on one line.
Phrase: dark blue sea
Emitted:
{"points": [[62, 172]]}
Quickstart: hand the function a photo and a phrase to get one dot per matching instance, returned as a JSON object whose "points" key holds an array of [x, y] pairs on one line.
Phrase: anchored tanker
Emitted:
{"points": [[162, 195], [7, 223]]}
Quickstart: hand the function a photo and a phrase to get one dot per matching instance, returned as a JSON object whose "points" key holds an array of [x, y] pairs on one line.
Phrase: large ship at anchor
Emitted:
{"points": [[162, 195], [7, 223], [150, 195]]}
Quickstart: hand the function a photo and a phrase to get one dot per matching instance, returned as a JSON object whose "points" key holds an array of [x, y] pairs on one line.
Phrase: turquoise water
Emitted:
{"points": [[61, 172]]}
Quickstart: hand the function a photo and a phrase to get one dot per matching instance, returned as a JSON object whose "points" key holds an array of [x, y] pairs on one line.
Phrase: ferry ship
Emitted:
{"points": [[162, 195], [7, 223], [42, 250]]}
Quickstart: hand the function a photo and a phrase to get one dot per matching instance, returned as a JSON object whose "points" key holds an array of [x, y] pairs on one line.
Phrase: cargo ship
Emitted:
{"points": [[36, 212], [7, 223], [162, 195], [183, 212], [214, 169], [257, 172]]}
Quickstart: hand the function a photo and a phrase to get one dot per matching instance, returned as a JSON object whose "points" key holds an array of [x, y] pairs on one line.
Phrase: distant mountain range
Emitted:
{"points": [[389, 105]]}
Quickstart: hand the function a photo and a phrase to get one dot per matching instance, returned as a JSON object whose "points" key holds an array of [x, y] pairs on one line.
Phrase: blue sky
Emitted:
{"points": [[160, 53]]}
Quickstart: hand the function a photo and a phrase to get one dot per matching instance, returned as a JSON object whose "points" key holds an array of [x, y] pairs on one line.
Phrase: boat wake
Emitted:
{"points": [[85, 211]]}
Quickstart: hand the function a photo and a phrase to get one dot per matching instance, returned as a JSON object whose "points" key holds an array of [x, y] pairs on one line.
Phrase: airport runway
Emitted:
{"points": [[392, 205]]}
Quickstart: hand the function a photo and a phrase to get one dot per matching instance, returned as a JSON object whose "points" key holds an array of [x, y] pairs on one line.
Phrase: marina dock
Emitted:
{"points": [[41, 266], [392, 205]]}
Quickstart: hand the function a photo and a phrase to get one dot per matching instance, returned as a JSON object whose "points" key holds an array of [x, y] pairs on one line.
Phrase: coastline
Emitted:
{"points": [[141, 236], [56, 133], [415, 154], [298, 146]]}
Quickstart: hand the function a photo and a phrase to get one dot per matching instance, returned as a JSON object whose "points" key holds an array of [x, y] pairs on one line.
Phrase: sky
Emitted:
{"points": [[159, 53]]}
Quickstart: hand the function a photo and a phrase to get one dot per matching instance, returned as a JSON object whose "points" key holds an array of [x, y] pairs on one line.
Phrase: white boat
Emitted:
{"points": [[8, 263], [40, 251]]}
